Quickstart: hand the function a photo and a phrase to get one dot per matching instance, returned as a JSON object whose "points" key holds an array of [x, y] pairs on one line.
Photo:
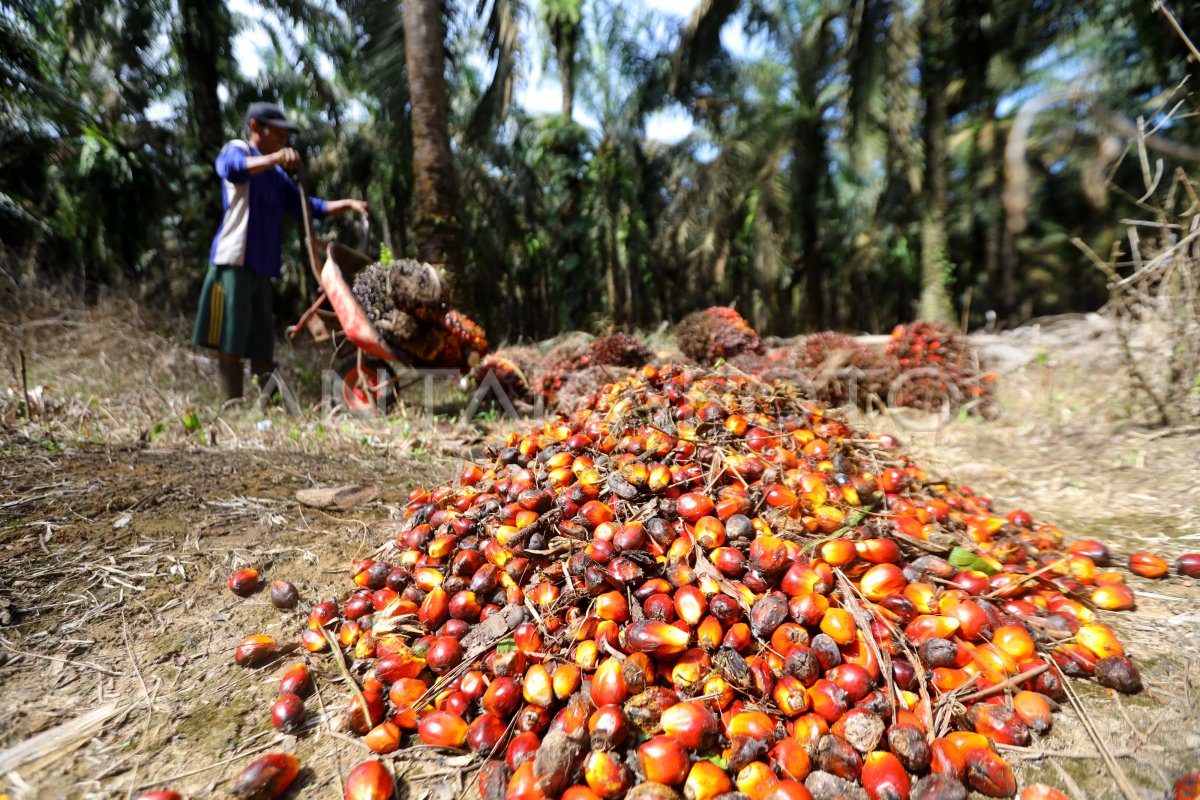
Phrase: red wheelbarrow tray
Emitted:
{"points": [[340, 262]]}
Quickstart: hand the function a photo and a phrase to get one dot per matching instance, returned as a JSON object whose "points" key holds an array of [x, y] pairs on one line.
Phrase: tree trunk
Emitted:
{"points": [[563, 34], [935, 301], [434, 186], [809, 169], [204, 30]]}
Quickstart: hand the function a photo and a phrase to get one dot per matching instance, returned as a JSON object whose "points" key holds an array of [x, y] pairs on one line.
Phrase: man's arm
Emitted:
{"points": [[347, 205], [236, 165]]}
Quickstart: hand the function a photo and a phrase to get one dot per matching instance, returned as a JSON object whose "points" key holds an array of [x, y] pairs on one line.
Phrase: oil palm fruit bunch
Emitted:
{"points": [[618, 349], [402, 299], [840, 369], [935, 365], [463, 343], [716, 333], [691, 585]]}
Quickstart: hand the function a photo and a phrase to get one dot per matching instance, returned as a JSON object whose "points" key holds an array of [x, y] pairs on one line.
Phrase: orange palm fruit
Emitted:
{"points": [[1040, 791], [1034, 710], [839, 552], [789, 789], [1148, 565], [1117, 597], [254, 651], [370, 780], [243, 582], [884, 777], [655, 638], [989, 774], [705, 781], [790, 758], [999, 724], [266, 778], [838, 624], [691, 723], [881, 581], [608, 684], [664, 760], [1014, 640], [606, 775], [442, 729], [384, 738], [1100, 640], [756, 780]]}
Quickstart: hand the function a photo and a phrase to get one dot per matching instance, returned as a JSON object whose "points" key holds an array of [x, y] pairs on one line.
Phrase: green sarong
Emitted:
{"points": [[235, 313]]}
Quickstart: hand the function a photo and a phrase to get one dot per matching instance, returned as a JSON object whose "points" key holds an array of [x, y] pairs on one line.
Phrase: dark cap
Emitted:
{"points": [[269, 114]]}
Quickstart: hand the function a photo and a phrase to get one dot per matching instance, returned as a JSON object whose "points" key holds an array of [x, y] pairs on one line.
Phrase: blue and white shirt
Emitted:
{"points": [[254, 207]]}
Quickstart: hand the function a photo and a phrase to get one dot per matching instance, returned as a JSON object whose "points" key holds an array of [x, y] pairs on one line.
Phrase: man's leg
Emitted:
{"points": [[260, 341], [230, 371]]}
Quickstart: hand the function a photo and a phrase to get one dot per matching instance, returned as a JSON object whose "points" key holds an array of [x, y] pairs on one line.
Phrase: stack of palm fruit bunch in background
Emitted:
{"points": [[698, 585], [408, 303]]}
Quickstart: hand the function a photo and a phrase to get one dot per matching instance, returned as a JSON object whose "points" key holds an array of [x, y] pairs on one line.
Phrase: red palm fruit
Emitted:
{"points": [[828, 700], [838, 624], [608, 728], [756, 780], [360, 718], [1074, 659], [638, 672], [370, 780], [809, 609], [266, 778], [580, 793], [972, 619], [444, 655], [404, 694], [908, 744], [608, 684], [537, 688], [738, 637], [243, 582], [612, 606], [790, 758], [836, 756], [606, 775], [808, 730], [878, 551], [1100, 640], [929, 626], [654, 638], [691, 723], [534, 718], [254, 651], [884, 778], [755, 724], [1014, 640], [768, 555], [358, 606], [1148, 565], [989, 774], [706, 781], [790, 696], [296, 681], [1188, 565], [473, 684], [384, 738], [1187, 786], [659, 607], [464, 606], [502, 698], [881, 581], [1113, 598], [664, 760], [521, 748], [852, 679], [709, 633], [972, 581], [486, 733], [787, 637], [160, 794], [839, 552], [999, 724], [1034, 710], [789, 789], [690, 604], [691, 668], [692, 506], [946, 760], [287, 714], [565, 680], [435, 610], [1120, 673], [524, 785], [442, 729], [1040, 791]]}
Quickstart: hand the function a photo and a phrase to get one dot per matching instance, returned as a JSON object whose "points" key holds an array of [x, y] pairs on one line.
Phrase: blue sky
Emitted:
{"points": [[537, 92]]}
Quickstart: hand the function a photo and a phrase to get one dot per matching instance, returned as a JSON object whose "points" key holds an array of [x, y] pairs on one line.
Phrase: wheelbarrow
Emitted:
{"points": [[337, 317]]}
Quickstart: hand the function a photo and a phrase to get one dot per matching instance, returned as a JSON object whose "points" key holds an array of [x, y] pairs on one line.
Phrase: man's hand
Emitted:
{"points": [[360, 207], [344, 206], [288, 158]]}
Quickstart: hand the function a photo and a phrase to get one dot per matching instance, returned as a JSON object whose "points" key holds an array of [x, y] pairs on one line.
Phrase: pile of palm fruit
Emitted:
{"points": [[699, 585], [407, 302]]}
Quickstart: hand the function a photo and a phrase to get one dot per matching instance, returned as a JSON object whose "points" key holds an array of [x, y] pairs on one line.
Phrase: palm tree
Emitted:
{"points": [[435, 194]]}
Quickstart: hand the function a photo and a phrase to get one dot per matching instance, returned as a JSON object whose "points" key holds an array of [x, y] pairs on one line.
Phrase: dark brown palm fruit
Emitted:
{"points": [[1120, 673], [617, 349], [938, 787], [716, 333]]}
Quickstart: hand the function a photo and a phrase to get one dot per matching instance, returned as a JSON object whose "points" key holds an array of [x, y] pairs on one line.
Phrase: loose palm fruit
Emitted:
{"points": [[266, 778], [254, 651], [160, 794], [1100, 640], [243, 582], [789, 789], [1040, 791], [791, 759], [1188, 565], [442, 729], [706, 781], [287, 714], [884, 777], [1187, 787], [1034, 710], [655, 638], [370, 780], [606, 775], [998, 723], [908, 743], [987, 773], [608, 728], [664, 760], [486, 733], [384, 738], [691, 723], [1148, 565], [1113, 598], [296, 681], [284, 595], [836, 756], [1120, 673]]}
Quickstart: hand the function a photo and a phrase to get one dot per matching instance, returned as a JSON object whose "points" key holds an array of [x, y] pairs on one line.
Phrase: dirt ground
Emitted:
{"points": [[124, 509]]}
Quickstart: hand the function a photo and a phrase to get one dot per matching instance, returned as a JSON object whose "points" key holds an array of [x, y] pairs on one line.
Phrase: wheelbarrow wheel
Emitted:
{"points": [[360, 387]]}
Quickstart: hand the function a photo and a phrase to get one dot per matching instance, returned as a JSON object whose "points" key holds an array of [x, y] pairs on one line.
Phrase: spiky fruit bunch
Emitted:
{"points": [[841, 370], [514, 368], [403, 300], [936, 365], [463, 342], [618, 349], [716, 333]]}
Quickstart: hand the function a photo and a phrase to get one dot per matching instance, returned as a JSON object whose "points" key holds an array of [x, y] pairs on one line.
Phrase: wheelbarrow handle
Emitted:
{"points": [[309, 239]]}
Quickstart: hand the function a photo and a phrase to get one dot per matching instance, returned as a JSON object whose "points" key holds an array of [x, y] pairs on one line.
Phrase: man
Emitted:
{"points": [[235, 316]]}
